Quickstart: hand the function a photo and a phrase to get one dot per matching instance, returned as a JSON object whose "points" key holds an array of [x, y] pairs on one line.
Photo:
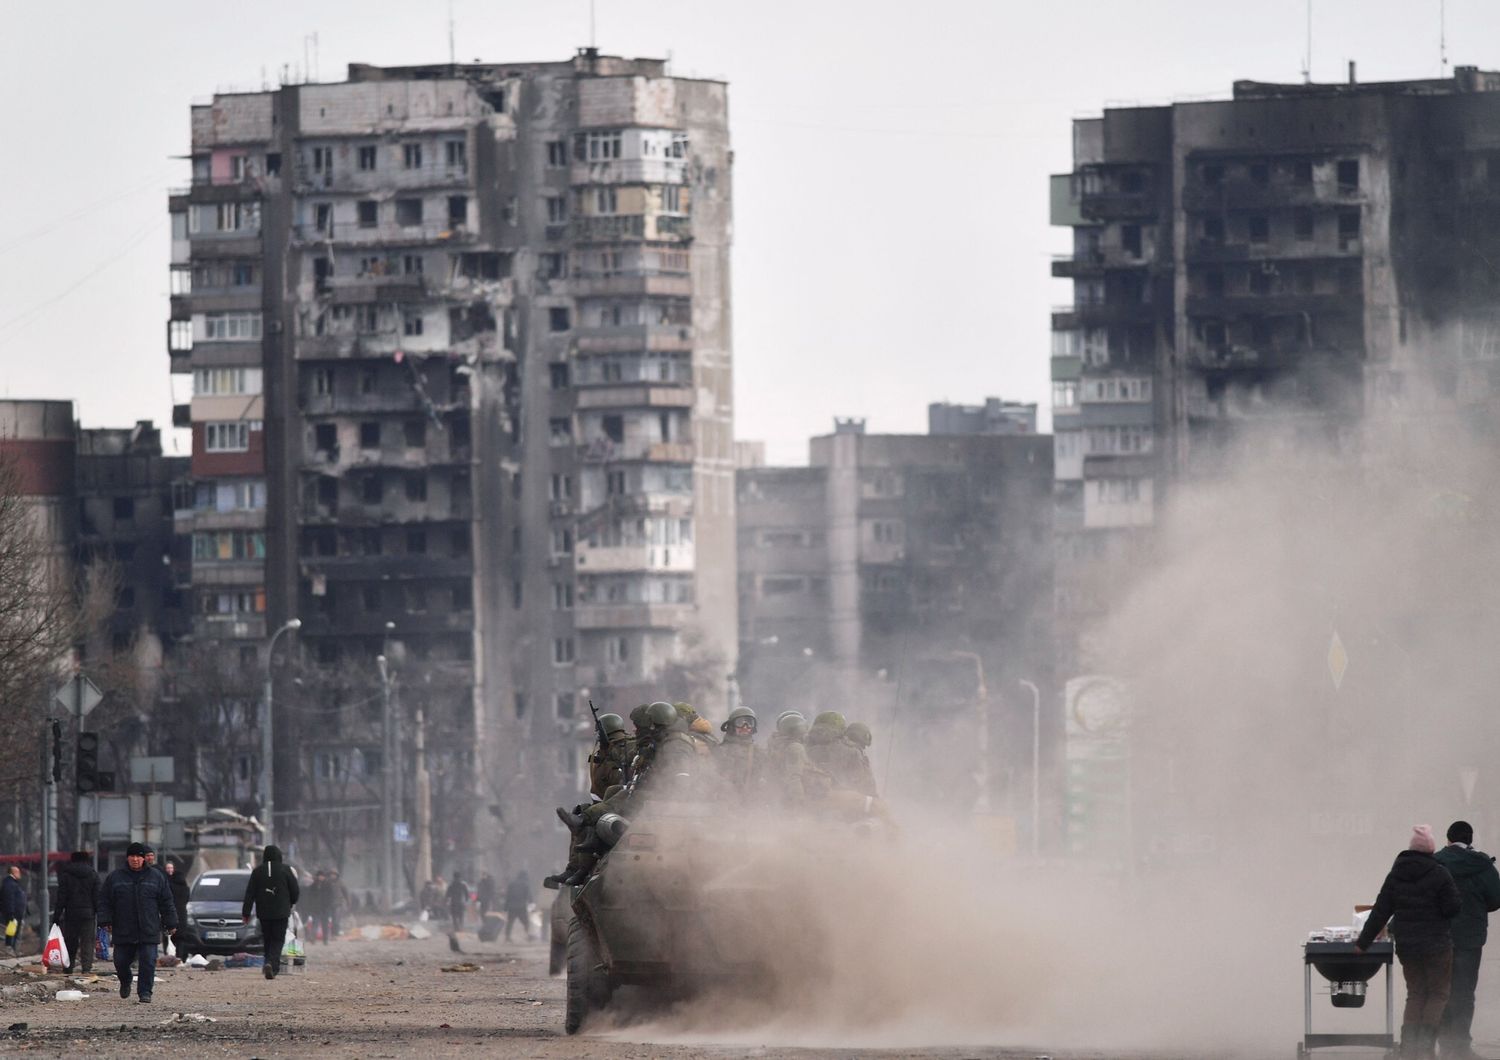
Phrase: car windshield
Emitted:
{"points": [[220, 887]]}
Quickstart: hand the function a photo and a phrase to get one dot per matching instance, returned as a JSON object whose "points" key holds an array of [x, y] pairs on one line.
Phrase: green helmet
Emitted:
{"points": [[858, 734], [611, 723], [737, 713], [830, 719], [786, 716], [686, 711], [638, 716], [662, 715]]}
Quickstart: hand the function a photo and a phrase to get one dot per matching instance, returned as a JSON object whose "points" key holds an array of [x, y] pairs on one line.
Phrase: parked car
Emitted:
{"points": [[213, 914]]}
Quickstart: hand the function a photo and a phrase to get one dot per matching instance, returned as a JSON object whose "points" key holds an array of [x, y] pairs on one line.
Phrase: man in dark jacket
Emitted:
{"points": [[1479, 888], [13, 906], [78, 908], [136, 904], [1421, 898], [517, 905], [458, 901], [272, 892]]}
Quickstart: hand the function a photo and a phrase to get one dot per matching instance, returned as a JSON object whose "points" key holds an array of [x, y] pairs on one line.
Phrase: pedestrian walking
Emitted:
{"points": [[338, 902], [271, 892], [518, 905], [135, 904], [178, 885], [1422, 898], [1479, 891], [12, 908], [315, 905], [488, 894], [78, 908], [458, 901]]}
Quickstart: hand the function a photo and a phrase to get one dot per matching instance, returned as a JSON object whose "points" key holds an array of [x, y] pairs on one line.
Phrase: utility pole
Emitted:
{"points": [[1036, 766], [387, 789], [51, 774], [424, 806], [267, 745], [398, 800]]}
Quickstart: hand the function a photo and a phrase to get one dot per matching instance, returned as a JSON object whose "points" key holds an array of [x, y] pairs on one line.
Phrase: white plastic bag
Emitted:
{"points": [[171, 947], [55, 953]]}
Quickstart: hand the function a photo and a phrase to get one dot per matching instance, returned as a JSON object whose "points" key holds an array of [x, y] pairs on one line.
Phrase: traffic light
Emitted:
{"points": [[56, 751], [87, 774]]}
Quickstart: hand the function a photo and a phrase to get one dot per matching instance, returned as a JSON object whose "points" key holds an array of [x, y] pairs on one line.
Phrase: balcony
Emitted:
{"points": [[1095, 262], [633, 616], [1072, 317], [604, 451], [360, 290], [674, 285], [1208, 251], [630, 171], [1280, 304], [344, 180], [614, 559], [617, 396], [1117, 205], [607, 229], [356, 235], [229, 627], [408, 623], [244, 243], [634, 338], [1247, 195]]}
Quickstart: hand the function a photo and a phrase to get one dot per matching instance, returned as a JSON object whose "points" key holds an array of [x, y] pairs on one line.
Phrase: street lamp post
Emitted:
{"points": [[387, 787], [1036, 766], [267, 770]]}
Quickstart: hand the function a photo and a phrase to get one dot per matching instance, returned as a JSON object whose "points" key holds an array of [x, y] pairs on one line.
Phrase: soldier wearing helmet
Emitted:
{"points": [[610, 763], [857, 735], [792, 777], [741, 765], [829, 751]]}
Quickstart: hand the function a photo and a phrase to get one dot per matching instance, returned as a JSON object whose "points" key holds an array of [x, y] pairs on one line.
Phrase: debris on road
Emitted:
{"points": [[188, 1017], [465, 967]]}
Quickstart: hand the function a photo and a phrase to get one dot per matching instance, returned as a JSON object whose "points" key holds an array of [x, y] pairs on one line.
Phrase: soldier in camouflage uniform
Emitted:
{"points": [[794, 780], [742, 767], [830, 752], [858, 736], [610, 763]]}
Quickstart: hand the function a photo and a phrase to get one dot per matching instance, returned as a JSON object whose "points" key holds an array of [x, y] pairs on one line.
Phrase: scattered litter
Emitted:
{"points": [[71, 995], [465, 967], [536, 1004], [445, 1026], [216, 965], [197, 960], [417, 931], [18, 1027], [390, 932], [189, 1017], [83, 980]]}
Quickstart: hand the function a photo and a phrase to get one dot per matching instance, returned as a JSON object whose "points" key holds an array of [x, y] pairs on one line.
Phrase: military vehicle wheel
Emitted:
{"points": [[588, 987], [558, 959]]}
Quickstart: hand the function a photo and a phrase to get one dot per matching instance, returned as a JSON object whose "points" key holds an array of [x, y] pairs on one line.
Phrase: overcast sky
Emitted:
{"points": [[891, 236]]}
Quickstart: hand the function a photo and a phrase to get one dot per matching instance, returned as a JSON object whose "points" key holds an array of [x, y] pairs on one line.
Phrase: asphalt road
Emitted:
{"points": [[393, 999]]}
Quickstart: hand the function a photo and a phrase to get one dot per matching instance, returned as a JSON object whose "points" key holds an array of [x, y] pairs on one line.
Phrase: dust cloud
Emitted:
{"points": [[1310, 654]]}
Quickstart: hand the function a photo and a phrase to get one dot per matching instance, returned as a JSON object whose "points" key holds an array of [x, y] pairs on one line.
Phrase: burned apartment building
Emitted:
{"points": [[1272, 267], [460, 345], [906, 580]]}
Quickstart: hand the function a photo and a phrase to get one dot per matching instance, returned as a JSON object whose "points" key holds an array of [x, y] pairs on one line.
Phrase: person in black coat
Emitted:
{"points": [[1420, 900], [272, 892], [135, 904], [178, 885], [78, 908], [13, 905]]}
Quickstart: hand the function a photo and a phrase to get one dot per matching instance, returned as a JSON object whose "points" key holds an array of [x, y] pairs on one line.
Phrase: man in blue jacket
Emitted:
{"points": [[1479, 890], [135, 903]]}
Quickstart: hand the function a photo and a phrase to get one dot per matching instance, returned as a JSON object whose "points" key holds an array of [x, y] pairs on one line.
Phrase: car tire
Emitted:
{"points": [[588, 986]]}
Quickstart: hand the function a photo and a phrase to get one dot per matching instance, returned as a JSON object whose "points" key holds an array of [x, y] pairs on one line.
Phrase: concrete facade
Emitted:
{"points": [[905, 573], [489, 310], [1284, 261]]}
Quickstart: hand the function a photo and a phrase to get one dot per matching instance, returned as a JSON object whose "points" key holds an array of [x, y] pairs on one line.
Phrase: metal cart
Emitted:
{"points": [[1348, 971]]}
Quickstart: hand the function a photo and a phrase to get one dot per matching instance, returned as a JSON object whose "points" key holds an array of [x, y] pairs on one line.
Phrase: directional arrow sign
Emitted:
{"points": [[78, 696]]}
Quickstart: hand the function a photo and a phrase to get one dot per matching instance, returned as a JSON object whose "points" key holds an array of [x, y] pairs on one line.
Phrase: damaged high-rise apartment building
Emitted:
{"points": [[1294, 257], [460, 347]]}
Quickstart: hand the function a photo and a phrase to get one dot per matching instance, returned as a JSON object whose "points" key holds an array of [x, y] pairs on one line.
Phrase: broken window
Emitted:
{"points": [[464, 322], [557, 373], [1302, 222], [1348, 175], [456, 154], [370, 594], [614, 483], [1213, 284], [416, 486], [458, 210], [557, 154], [483, 265], [1130, 240], [273, 164], [367, 157], [458, 434], [326, 439], [1213, 175], [1259, 227], [411, 156], [458, 541], [461, 596], [1302, 172], [1213, 229], [1260, 173], [411, 323], [416, 542], [328, 493], [415, 433], [408, 212], [411, 264], [613, 428], [558, 318], [1348, 228], [554, 266], [369, 213], [369, 434], [322, 382], [367, 380], [560, 430]]}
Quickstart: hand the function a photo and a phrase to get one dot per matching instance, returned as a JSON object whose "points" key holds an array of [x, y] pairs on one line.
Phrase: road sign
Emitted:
{"points": [[78, 696], [401, 831], [152, 769], [191, 810]]}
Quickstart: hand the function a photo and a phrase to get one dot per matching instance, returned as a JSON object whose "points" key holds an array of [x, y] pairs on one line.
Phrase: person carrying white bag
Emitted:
{"points": [[55, 952]]}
